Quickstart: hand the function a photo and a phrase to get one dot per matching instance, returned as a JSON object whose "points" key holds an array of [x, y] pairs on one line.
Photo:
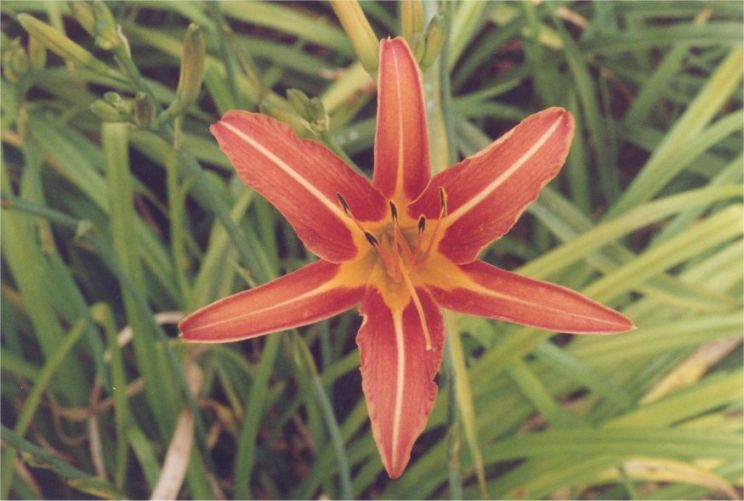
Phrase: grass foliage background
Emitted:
{"points": [[111, 231]]}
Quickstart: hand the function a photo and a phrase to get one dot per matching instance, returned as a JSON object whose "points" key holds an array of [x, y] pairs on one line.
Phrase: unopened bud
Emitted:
{"points": [[114, 99], [319, 120], [105, 32], [58, 43], [83, 14], [298, 124], [192, 66], [435, 33], [300, 102], [108, 113], [411, 19], [36, 54], [144, 110], [360, 33], [191, 75], [15, 61]]}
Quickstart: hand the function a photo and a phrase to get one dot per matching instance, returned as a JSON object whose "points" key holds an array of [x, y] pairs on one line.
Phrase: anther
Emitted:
{"points": [[394, 211], [443, 201], [371, 239], [343, 203], [421, 224]]}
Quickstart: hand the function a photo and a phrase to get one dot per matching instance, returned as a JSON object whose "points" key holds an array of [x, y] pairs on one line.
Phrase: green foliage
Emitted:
{"points": [[120, 214]]}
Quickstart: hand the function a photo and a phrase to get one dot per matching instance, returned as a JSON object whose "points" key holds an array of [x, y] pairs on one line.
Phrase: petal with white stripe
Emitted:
{"points": [[315, 292], [398, 372], [401, 140], [303, 180], [487, 192], [481, 289]]}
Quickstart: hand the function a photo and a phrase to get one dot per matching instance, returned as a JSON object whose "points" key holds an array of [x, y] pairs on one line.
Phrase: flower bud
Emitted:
{"points": [[359, 31], [83, 14], [58, 43], [411, 19], [319, 120], [107, 112], [300, 102], [192, 66], [115, 100], [105, 31], [15, 61], [144, 110], [435, 34], [298, 124], [191, 75]]}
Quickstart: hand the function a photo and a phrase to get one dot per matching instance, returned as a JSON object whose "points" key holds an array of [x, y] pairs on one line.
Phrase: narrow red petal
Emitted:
{"points": [[487, 192], [492, 292], [307, 295], [401, 141], [302, 179], [398, 373]]}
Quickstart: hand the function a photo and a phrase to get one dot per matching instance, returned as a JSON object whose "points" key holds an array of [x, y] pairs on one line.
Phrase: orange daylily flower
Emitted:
{"points": [[403, 245]]}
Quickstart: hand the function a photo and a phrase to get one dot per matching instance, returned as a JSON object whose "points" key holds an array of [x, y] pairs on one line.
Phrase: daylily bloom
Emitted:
{"points": [[402, 246]]}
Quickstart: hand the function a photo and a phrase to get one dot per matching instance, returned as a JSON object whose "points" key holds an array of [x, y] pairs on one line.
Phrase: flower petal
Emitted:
{"points": [[303, 180], [398, 372], [313, 293], [401, 140], [487, 192], [482, 289]]}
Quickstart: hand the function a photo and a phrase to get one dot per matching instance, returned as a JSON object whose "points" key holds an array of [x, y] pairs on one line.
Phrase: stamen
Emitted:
{"points": [[347, 210], [400, 244], [419, 240], [419, 308], [442, 202], [343, 203], [371, 239], [442, 215], [394, 211]]}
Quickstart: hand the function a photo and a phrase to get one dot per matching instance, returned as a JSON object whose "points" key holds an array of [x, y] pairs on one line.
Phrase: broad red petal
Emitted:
{"points": [[487, 192], [482, 289], [310, 294], [398, 373], [302, 179], [401, 141]]}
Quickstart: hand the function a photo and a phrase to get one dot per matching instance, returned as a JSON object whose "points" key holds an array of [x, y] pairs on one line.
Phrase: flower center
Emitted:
{"points": [[402, 250]]}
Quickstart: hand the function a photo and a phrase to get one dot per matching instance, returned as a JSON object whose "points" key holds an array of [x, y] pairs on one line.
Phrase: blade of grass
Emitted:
{"points": [[705, 235], [75, 477], [598, 132], [317, 29], [53, 363], [22, 251], [306, 364], [698, 114], [160, 395], [534, 390]]}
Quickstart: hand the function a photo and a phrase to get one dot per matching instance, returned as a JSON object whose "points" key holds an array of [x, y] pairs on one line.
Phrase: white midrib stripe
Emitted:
{"points": [[399, 383], [401, 156], [488, 292], [323, 288], [331, 205], [486, 192]]}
